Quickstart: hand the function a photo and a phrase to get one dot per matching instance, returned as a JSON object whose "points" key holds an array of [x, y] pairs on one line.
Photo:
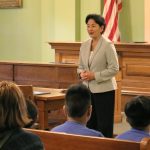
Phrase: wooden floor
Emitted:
{"points": [[121, 127]]}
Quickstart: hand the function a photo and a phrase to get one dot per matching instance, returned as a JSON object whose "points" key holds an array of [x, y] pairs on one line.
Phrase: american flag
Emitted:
{"points": [[110, 13]]}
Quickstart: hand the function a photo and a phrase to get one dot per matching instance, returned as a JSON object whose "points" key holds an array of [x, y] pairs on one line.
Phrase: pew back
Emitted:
{"points": [[59, 141]]}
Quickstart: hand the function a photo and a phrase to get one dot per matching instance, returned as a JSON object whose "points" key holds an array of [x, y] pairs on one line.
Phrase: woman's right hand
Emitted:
{"points": [[83, 75], [87, 75]]}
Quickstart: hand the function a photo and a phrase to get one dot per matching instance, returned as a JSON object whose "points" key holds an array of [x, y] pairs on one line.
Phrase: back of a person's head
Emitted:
{"points": [[138, 112], [77, 100], [32, 112], [13, 110]]}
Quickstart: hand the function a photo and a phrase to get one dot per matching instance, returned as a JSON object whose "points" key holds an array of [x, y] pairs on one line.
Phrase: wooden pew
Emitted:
{"points": [[60, 141]]}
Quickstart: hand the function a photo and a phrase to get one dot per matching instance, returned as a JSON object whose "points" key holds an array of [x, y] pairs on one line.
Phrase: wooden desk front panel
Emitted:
{"points": [[134, 60], [67, 76], [53, 76], [6, 72], [136, 72], [43, 76]]}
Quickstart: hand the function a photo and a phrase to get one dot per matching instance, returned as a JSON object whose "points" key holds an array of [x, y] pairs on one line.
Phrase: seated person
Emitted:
{"points": [[13, 117], [32, 113], [78, 111], [138, 116]]}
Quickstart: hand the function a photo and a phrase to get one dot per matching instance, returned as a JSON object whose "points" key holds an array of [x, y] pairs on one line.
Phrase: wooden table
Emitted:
{"points": [[54, 100]]}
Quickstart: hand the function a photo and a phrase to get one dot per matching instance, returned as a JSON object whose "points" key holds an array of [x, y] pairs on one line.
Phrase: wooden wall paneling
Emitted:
{"points": [[136, 72], [135, 60], [6, 72], [37, 75], [67, 75], [66, 52]]}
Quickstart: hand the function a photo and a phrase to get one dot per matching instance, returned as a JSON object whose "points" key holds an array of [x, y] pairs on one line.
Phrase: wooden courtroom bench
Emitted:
{"points": [[133, 62], [60, 141]]}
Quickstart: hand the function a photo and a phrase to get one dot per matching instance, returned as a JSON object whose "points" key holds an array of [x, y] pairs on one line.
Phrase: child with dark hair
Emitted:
{"points": [[138, 116], [78, 110]]}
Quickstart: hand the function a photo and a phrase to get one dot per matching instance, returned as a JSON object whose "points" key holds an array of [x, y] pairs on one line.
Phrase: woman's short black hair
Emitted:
{"points": [[97, 18]]}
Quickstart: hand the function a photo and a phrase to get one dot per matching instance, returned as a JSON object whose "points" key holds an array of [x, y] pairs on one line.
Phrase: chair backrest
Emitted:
{"points": [[27, 91], [59, 141]]}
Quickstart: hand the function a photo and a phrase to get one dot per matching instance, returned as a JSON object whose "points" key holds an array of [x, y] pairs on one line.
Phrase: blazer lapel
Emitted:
{"points": [[87, 54], [96, 49]]}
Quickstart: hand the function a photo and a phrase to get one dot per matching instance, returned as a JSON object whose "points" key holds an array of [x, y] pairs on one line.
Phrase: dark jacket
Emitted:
{"points": [[23, 140]]}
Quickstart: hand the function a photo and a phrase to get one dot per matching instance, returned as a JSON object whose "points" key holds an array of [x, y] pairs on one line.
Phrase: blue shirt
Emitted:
{"points": [[133, 135], [76, 128]]}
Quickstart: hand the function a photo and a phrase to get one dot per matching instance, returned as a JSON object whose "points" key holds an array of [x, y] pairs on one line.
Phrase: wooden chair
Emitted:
{"points": [[27, 91], [55, 117], [60, 141]]}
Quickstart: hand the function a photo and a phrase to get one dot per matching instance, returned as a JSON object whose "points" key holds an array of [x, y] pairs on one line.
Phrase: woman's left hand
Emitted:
{"points": [[88, 76]]}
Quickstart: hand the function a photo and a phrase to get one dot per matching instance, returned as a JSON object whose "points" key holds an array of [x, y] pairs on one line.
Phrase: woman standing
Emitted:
{"points": [[98, 64]]}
